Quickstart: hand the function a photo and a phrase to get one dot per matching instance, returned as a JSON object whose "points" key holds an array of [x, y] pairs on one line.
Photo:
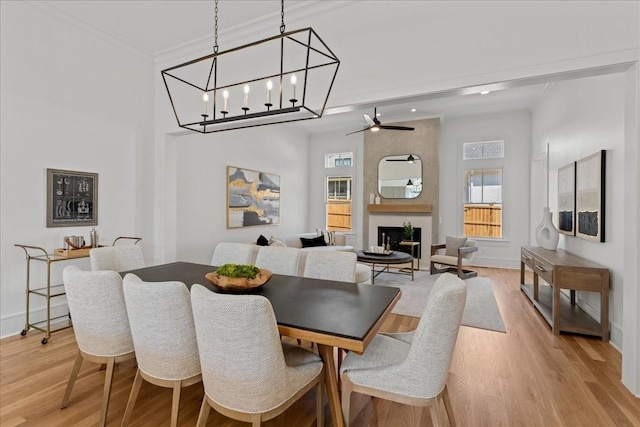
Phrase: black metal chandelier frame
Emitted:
{"points": [[272, 113]]}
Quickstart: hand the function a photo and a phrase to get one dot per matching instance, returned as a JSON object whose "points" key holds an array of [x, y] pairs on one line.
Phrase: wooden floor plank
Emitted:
{"points": [[526, 377]]}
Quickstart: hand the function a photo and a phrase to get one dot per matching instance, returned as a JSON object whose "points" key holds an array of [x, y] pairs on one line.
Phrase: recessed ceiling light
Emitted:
{"points": [[484, 92], [413, 110]]}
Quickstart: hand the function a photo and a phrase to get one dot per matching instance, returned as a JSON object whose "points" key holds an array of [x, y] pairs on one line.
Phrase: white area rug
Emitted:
{"points": [[481, 310]]}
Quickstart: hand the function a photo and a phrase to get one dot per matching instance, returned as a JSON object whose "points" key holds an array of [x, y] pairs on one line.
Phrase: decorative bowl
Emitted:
{"points": [[239, 284]]}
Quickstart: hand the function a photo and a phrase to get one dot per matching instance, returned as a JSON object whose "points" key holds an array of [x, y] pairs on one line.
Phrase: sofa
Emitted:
{"points": [[363, 272]]}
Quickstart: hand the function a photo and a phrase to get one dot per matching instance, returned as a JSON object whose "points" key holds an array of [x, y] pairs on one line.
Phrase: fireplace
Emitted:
{"points": [[396, 235]]}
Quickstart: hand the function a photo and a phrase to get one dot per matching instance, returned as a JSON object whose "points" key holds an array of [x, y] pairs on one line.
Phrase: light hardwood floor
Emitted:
{"points": [[526, 377]]}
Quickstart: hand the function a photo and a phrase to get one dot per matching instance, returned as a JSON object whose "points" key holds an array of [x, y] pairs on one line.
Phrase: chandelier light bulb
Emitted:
{"points": [[246, 96], [269, 87], [205, 98], [294, 79], [225, 95]]}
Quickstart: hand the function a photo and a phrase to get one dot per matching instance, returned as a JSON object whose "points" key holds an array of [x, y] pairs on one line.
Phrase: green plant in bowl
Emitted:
{"points": [[247, 271], [408, 230]]}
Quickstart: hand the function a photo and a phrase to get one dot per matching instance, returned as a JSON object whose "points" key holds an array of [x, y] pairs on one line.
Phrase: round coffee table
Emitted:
{"points": [[394, 257]]}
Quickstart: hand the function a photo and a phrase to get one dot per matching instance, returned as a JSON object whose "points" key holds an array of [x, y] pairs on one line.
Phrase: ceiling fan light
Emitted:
{"points": [[375, 128], [410, 159]]}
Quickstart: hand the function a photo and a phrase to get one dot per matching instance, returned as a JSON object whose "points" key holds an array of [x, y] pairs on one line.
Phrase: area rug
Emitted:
{"points": [[480, 311]]}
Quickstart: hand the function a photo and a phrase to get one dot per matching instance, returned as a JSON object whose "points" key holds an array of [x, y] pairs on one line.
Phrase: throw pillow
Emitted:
{"points": [[313, 242], [278, 243], [262, 241], [331, 238], [453, 244], [274, 239], [318, 232]]}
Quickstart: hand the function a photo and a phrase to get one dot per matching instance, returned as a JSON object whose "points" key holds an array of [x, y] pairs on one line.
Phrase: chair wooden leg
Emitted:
{"points": [[108, 378], [137, 382], [204, 412], [448, 407], [175, 404], [435, 417], [256, 420], [347, 388], [319, 404], [72, 380]]}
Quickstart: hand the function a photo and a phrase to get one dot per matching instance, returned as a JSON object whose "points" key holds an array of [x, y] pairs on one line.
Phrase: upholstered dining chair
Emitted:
{"points": [[248, 373], [413, 368], [279, 260], [331, 265], [164, 338], [232, 253], [457, 256], [100, 324], [116, 258]]}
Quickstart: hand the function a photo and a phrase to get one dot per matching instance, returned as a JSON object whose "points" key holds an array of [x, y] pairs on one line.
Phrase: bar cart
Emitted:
{"points": [[50, 291]]}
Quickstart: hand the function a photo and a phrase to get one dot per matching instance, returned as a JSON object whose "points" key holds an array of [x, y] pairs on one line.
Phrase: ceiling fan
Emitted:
{"points": [[375, 125]]}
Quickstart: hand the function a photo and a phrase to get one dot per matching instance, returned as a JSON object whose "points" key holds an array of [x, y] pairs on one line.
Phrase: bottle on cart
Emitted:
{"points": [[388, 247], [94, 238]]}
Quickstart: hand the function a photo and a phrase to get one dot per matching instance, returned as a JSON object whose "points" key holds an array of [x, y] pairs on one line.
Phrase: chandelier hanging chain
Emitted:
{"points": [[282, 16], [215, 46]]}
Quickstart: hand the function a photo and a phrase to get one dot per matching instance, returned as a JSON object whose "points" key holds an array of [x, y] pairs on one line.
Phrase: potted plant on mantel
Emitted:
{"points": [[408, 231]]}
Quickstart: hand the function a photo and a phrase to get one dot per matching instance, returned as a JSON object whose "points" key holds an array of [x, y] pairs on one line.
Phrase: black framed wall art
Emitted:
{"points": [[590, 197], [567, 199], [72, 198]]}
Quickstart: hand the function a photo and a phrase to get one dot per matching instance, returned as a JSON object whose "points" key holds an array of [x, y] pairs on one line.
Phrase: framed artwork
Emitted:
{"points": [[567, 199], [590, 197], [72, 198], [253, 198]]}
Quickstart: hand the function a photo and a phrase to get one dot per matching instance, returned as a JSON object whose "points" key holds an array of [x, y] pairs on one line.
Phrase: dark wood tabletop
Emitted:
{"points": [[340, 309]]}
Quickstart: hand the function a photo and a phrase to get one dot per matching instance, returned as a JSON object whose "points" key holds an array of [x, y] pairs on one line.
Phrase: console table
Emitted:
{"points": [[562, 270]]}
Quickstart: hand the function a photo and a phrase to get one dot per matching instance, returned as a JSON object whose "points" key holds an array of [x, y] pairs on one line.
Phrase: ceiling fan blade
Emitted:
{"points": [[369, 120], [389, 127], [396, 160], [362, 130]]}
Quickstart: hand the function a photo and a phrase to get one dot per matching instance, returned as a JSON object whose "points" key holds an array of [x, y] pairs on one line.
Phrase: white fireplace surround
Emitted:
{"points": [[422, 221]]}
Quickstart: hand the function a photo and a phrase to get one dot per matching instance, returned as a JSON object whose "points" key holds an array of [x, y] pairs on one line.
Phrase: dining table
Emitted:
{"points": [[329, 313]]}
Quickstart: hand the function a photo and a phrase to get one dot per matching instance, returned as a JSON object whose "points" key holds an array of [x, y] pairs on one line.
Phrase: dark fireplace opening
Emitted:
{"points": [[395, 235]]}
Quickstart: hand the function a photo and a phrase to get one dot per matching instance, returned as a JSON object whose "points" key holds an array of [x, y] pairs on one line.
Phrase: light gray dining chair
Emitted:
{"points": [[412, 369], [331, 265], [232, 253], [116, 258], [248, 373], [164, 338], [100, 324], [279, 260]]}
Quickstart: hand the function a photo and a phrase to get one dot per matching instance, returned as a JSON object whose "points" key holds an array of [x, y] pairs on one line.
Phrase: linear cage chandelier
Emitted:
{"points": [[280, 79]]}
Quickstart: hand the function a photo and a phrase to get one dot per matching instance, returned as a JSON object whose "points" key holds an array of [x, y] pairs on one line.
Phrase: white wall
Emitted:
{"points": [[201, 172], [327, 143], [578, 118], [71, 99], [514, 128]]}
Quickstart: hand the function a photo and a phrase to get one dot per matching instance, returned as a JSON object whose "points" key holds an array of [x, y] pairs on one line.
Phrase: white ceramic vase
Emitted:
{"points": [[547, 234], [377, 200]]}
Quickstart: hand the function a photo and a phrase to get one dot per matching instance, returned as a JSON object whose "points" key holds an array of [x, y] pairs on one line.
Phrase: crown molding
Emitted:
{"points": [[251, 30], [52, 10]]}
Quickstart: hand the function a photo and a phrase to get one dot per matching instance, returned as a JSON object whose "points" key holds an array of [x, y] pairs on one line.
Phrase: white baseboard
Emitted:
{"points": [[13, 324]]}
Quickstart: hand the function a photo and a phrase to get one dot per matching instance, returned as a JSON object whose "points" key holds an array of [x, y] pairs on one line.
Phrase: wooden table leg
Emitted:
{"points": [[331, 383]]}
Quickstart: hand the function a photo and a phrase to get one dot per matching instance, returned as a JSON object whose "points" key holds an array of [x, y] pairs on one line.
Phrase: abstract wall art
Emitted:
{"points": [[253, 198], [567, 199], [590, 197]]}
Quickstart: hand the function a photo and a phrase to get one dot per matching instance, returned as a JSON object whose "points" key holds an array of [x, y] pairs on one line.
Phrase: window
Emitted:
{"points": [[338, 160], [339, 203], [482, 200]]}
